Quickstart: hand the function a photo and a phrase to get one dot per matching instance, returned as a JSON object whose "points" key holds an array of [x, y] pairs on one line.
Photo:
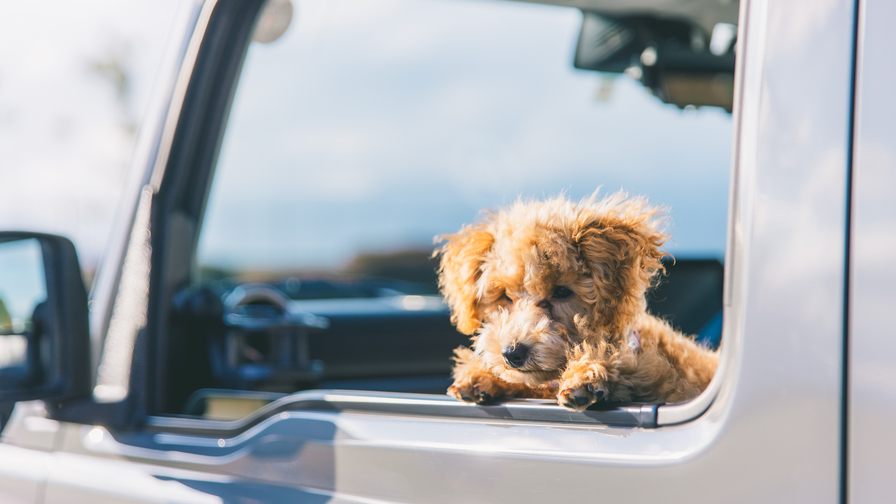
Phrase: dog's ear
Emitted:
{"points": [[462, 257], [619, 241]]}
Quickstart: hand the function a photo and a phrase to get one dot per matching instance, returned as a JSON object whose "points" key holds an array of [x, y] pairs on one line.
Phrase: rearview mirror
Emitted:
{"points": [[44, 339], [677, 60]]}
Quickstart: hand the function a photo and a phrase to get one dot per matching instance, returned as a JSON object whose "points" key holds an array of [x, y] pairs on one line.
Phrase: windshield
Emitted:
{"points": [[372, 126]]}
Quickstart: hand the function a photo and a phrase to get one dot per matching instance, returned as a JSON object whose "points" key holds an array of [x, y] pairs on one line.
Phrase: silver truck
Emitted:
{"points": [[164, 385]]}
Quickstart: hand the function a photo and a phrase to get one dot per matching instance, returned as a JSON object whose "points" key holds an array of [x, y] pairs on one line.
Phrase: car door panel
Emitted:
{"points": [[872, 348], [23, 472]]}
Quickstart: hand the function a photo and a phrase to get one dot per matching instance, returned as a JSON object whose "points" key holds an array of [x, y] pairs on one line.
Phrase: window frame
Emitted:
{"points": [[182, 182]]}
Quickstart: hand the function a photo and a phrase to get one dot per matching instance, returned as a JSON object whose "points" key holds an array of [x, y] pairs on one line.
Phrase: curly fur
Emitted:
{"points": [[499, 277]]}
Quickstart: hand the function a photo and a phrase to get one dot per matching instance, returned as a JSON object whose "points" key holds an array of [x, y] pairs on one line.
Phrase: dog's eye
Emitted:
{"points": [[505, 297], [562, 292]]}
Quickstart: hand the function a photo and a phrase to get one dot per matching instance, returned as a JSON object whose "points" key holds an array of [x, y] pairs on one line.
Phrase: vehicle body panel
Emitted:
{"points": [[872, 347]]}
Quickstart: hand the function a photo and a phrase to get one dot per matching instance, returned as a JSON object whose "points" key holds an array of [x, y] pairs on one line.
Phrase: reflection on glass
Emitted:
{"points": [[22, 289], [370, 127], [5, 319]]}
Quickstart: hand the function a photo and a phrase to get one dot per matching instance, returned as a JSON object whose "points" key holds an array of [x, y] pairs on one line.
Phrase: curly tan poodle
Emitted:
{"points": [[553, 294]]}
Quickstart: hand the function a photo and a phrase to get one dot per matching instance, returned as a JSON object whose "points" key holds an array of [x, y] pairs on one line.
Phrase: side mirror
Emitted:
{"points": [[44, 337]]}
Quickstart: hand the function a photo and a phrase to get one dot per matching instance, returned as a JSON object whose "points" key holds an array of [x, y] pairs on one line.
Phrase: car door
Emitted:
{"points": [[871, 351], [767, 429]]}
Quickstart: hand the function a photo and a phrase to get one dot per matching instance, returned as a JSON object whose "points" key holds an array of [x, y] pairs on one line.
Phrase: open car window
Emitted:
{"points": [[369, 128]]}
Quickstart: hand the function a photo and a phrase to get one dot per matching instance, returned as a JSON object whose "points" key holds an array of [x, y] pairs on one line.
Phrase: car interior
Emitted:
{"points": [[369, 333]]}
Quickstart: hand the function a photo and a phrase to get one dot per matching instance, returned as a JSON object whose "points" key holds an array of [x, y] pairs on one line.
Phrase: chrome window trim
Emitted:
{"points": [[869, 450], [179, 93], [426, 405], [150, 157], [747, 86]]}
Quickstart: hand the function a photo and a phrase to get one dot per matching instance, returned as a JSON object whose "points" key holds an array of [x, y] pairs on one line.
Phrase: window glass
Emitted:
{"points": [[22, 289], [372, 126]]}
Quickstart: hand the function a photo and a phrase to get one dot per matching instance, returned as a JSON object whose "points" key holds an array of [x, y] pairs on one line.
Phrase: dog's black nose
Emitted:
{"points": [[515, 356]]}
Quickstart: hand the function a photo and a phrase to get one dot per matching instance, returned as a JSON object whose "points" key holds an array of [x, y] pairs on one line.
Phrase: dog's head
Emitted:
{"points": [[532, 280]]}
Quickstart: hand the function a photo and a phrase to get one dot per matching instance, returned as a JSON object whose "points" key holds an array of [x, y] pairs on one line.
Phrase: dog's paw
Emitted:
{"points": [[580, 390], [470, 394], [579, 398], [482, 391]]}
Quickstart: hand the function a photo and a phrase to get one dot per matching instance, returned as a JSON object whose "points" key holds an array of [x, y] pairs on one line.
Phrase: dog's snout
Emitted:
{"points": [[516, 355]]}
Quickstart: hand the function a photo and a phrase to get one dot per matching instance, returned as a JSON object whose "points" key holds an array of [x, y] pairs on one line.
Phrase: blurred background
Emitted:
{"points": [[75, 78]]}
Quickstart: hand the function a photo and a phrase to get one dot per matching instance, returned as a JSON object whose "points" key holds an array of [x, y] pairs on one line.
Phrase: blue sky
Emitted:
{"points": [[373, 126]]}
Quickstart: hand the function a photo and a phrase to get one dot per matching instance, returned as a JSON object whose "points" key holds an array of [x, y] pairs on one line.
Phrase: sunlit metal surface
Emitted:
{"points": [[418, 405], [146, 151], [179, 91], [872, 358], [26, 453], [129, 311], [22, 473]]}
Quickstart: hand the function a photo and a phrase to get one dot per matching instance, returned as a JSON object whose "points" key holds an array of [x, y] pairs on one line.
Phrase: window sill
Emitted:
{"points": [[417, 405]]}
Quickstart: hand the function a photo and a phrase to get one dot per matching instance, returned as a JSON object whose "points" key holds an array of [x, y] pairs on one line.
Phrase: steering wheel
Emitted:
{"points": [[265, 342]]}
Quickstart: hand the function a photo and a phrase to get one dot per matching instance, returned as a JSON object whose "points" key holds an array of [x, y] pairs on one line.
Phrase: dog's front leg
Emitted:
{"points": [[474, 383], [594, 372]]}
